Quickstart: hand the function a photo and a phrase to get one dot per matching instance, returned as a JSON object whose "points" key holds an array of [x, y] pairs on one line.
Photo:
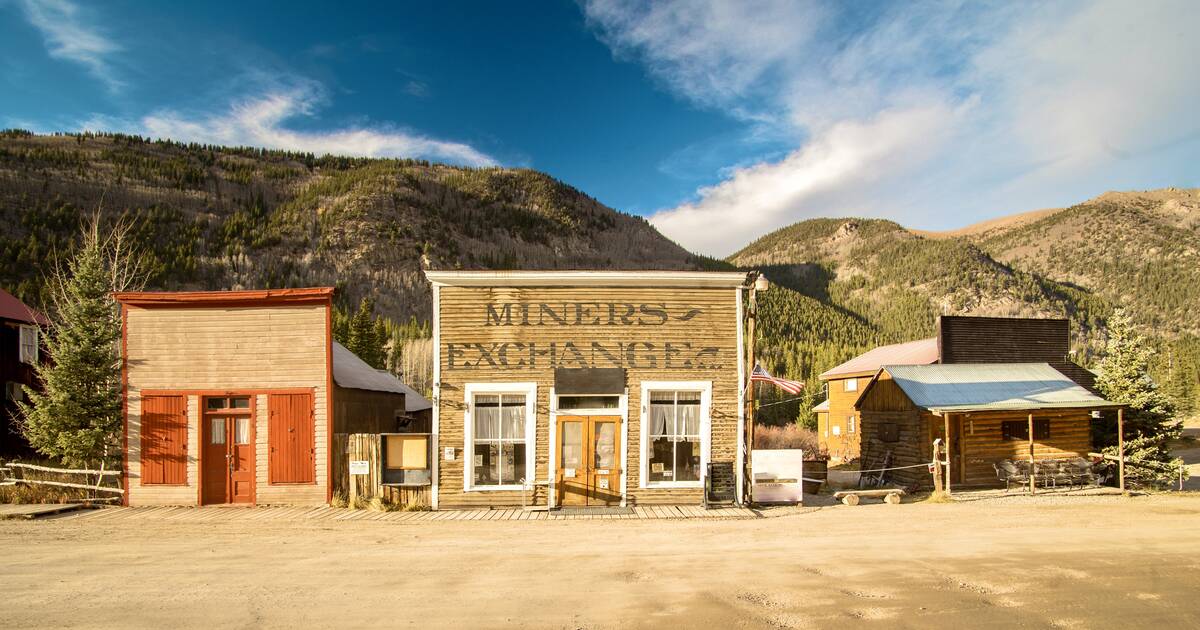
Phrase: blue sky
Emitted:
{"points": [[719, 121]]}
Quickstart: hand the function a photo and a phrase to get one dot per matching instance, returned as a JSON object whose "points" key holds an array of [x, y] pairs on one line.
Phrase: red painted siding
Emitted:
{"points": [[164, 440], [290, 438]]}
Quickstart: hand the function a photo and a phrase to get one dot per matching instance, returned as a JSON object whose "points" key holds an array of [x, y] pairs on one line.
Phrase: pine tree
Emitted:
{"points": [[363, 337], [1150, 419], [77, 417]]}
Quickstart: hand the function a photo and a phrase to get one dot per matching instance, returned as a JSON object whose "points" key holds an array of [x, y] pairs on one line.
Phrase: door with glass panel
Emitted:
{"points": [[228, 456], [589, 461]]}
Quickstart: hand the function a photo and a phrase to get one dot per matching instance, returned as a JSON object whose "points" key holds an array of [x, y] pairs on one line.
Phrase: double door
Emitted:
{"points": [[228, 459], [589, 461]]}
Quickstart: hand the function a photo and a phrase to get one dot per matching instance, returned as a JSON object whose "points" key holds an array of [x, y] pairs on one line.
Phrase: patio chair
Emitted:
{"points": [[1009, 472]]}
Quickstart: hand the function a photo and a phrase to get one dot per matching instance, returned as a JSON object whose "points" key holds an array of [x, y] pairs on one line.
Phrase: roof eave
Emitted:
{"points": [[224, 298], [681, 279]]}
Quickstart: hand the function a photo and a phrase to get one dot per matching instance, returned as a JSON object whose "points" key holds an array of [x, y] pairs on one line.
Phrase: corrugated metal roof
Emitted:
{"points": [[352, 372], [824, 406], [911, 353], [14, 309], [991, 387]]}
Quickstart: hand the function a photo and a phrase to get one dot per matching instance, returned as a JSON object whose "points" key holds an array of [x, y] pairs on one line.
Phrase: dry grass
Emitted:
{"points": [[788, 436], [34, 493], [939, 497]]}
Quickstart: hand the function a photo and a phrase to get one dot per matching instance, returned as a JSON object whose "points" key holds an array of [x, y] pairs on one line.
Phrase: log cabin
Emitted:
{"points": [[227, 397], [983, 413], [20, 353], [960, 339], [587, 388]]}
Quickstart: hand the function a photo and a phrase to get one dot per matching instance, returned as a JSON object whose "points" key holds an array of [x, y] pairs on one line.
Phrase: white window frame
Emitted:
{"points": [[24, 353], [850, 385], [705, 389], [470, 390], [851, 423]]}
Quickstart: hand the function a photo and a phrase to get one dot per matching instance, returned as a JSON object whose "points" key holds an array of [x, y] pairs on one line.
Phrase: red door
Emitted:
{"points": [[228, 459]]}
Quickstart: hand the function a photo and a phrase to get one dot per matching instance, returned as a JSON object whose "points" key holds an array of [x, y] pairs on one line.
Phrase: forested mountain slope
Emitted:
{"points": [[225, 218]]}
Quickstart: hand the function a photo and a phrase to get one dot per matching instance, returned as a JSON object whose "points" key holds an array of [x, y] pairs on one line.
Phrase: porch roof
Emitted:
{"points": [[964, 387]]}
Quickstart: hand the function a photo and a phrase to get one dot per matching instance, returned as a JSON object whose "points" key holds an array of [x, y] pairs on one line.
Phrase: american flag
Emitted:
{"points": [[761, 375]]}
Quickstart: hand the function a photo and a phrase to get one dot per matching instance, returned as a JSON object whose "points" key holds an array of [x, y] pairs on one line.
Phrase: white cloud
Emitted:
{"points": [[68, 36], [933, 114], [260, 122]]}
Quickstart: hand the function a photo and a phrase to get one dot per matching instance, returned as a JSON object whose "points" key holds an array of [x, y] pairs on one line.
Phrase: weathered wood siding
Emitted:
{"points": [[963, 339], [363, 411], [701, 327], [239, 350], [846, 445]]}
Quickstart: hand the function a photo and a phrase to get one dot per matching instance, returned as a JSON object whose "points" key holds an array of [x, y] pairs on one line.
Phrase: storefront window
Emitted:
{"points": [[498, 439], [674, 436]]}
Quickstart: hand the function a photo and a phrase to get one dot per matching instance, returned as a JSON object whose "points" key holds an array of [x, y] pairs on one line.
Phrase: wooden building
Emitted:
{"points": [[20, 352], [586, 388], [228, 397], [982, 412], [959, 340]]}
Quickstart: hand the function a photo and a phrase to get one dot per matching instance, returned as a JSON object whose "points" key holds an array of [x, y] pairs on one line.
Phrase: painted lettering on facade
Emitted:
{"points": [[585, 314], [632, 355]]}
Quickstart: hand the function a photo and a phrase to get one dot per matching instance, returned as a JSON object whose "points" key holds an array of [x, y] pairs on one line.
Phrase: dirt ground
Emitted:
{"points": [[1083, 562]]}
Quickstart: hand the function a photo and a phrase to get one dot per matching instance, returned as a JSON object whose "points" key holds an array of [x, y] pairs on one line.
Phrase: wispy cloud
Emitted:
{"points": [[926, 113], [69, 35], [261, 121]]}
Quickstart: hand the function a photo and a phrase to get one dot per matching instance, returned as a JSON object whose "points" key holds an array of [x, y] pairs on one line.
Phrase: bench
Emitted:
{"points": [[891, 496], [1048, 473]]}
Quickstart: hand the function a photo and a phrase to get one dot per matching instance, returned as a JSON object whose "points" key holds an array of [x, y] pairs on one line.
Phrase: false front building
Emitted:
{"points": [[563, 388]]}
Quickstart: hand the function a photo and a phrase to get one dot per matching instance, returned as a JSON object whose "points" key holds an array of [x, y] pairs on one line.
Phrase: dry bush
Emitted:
{"points": [[788, 436]]}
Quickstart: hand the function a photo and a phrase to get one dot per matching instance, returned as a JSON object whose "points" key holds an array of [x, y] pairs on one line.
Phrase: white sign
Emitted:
{"points": [[778, 475], [568, 472], [360, 467], [604, 484], [602, 471], [448, 453]]}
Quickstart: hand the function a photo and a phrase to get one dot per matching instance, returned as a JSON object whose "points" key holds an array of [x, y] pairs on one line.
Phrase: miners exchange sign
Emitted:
{"points": [[650, 335]]}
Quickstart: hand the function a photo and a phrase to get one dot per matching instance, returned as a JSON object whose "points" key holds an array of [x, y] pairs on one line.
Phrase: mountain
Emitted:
{"points": [[225, 218], [1138, 250]]}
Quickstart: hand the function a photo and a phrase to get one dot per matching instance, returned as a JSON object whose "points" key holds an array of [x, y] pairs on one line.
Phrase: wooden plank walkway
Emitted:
{"points": [[325, 513], [34, 510]]}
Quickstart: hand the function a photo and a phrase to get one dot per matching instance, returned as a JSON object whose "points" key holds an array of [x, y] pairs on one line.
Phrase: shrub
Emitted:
{"points": [[789, 436]]}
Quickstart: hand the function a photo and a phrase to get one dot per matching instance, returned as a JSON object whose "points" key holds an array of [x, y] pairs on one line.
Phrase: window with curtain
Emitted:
{"points": [[498, 439], [674, 436]]}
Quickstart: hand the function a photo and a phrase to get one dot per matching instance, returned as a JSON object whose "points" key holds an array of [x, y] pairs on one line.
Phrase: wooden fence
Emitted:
{"points": [[362, 488], [14, 473]]}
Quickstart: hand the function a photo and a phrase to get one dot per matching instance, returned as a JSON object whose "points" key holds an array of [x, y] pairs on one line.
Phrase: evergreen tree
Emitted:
{"points": [[77, 417], [364, 339], [1150, 419]]}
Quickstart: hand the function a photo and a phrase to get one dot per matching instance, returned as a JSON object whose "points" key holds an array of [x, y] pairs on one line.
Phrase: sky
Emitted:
{"points": [[717, 120]]}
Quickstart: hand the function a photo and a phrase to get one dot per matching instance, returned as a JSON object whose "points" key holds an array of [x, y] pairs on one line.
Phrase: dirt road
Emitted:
{"points": [[1069, 563]]}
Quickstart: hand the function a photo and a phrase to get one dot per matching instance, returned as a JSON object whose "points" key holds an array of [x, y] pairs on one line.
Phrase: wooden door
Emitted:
{"points": [[164, 440], [228, 469], [291, 445], [589, 461]]}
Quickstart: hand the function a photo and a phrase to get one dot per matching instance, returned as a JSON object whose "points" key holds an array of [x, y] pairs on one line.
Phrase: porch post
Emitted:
{"points": [[1121, 447], [949, 450], [1032, 464]]}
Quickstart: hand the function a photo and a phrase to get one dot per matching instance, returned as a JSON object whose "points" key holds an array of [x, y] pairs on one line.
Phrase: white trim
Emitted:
{"points": [[437, 393], [739, 473], [470, 390], [705, 389], [710, 279], [28, 352], [621, 410]]}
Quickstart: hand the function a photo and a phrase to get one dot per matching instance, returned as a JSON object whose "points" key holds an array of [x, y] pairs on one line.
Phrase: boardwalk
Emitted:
{"points": [[324, 513]]}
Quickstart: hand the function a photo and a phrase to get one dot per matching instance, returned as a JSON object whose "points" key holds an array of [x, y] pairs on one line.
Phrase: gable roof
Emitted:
{"points": [[911, 353], [961, 387], [15, 310], [822, 406], [351, 372]]}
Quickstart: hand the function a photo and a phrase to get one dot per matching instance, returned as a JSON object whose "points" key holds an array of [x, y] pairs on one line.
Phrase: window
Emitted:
{"points": [[675, 434], [1019, 429], [222, 404], [28, 351], [406, 459], [499, 436], [589, 402], [850, 424], [850, 384]]}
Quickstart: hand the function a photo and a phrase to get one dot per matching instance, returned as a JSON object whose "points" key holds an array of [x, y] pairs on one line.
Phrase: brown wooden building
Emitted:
{"points": [[959, 340], [988, 410], [585, 387], [20, 352]]}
